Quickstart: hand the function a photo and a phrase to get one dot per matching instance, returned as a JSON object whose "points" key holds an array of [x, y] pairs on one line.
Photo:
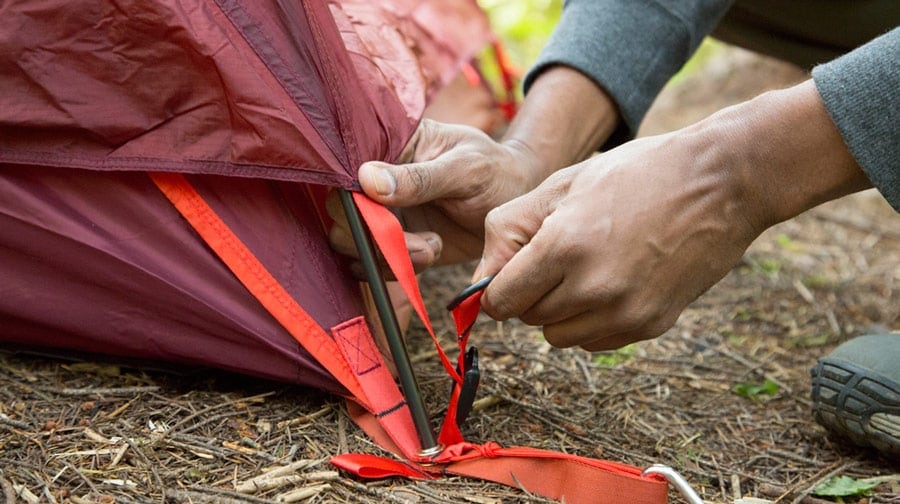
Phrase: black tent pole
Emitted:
{"points": [[410, 386]]}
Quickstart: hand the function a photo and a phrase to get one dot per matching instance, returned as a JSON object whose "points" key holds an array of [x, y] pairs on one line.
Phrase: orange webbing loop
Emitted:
{"points": [[567, 478], [388, 234], [559, 476], [388, 406]]}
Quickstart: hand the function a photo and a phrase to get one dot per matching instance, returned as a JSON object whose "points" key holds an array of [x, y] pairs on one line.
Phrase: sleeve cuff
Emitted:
{"points": [[859, 90]]}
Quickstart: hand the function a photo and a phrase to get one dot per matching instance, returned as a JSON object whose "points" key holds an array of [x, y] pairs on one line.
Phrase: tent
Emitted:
{"points": [[96, 259], [163, 168]]}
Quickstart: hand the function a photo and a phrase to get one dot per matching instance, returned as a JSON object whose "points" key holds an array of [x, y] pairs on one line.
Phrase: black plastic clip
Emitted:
{"points": [[471, 376], [470, 373], [468, 291]]}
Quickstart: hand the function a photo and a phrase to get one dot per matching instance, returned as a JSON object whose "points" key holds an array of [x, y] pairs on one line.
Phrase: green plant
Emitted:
{"points": [[818, 281], [615, 357], [754, 390], [843, 486], [784, 241], [743, 315]]}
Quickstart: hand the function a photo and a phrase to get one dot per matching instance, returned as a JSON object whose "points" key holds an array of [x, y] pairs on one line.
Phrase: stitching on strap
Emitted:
{"points": [[357, 346]]}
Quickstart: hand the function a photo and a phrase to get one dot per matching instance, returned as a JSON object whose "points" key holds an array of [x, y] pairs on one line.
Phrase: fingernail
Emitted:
{"points": [[434, 243], [477, 275], [384, 182], [421, 257]]}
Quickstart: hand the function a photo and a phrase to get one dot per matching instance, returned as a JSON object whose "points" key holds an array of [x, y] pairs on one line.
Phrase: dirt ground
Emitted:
{"points": [[91, 432]]}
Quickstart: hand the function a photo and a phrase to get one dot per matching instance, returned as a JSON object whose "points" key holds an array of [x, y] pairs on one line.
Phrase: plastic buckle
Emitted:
{"points": [[471, 378], [676, 480], [471, 374]]}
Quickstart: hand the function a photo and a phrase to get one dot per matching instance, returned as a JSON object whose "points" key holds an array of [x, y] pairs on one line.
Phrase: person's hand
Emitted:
{"points": [[611, 250], [456, 174], [447, 179]]}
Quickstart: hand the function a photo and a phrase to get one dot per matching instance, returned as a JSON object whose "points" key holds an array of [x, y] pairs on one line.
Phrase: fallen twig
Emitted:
{"points": [[14, 423], [305, 418], [118, 391], [9, 493], [262, 484], [200, 494], [302, 493], [25, 494]]}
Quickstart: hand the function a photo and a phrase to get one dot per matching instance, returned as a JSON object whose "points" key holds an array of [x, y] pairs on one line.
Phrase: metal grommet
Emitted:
{"points": [[676, 480], [434, 451]]}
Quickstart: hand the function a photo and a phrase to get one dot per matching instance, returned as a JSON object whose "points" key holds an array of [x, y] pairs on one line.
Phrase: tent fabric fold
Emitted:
{"points": [[288, 90]]}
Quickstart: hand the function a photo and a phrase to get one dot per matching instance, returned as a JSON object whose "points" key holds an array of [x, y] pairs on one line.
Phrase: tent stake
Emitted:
{"points": [[408, 383]]}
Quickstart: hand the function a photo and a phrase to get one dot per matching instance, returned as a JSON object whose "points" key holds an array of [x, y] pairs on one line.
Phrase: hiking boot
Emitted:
{"points": [[856, 391]]}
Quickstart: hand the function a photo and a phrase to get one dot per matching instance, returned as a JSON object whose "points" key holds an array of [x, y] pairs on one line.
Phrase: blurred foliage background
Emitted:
{"points": [[524, 26]]}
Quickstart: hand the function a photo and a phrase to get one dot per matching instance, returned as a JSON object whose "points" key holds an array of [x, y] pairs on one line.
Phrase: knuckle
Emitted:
{"points": [[612, 290], [645, 319], [532, 318], [660, 325], [494, 221], [419, 179], [497, 309], [629, 320], [492, 218], [559, 338]]}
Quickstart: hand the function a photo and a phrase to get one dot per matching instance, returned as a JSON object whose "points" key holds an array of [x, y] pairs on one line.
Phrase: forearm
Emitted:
{"points": [[629, 48], [564, 118], [784, 154]]}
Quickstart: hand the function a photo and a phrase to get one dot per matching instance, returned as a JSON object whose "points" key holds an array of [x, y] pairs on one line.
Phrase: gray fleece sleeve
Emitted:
{"points": [[861, 91], [629, 47]]}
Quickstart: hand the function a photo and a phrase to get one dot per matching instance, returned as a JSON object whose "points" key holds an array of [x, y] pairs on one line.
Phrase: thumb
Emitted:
{"points": [[436, 155], [411, 184]]}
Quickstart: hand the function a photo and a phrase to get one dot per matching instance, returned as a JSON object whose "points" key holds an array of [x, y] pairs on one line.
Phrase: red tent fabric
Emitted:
{"points": [[262, 105]]}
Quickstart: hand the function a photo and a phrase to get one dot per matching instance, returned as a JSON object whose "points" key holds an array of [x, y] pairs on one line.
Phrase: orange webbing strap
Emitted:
{"points": [[464, 316], [508, 104], [389, 408], [388, 234], [351, 357], [256, 278], [559, 476], [551, 474], [508, 77]]}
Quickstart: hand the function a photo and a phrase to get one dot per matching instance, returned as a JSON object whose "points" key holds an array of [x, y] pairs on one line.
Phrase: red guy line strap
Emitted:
{"points": [[388, 234]]}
